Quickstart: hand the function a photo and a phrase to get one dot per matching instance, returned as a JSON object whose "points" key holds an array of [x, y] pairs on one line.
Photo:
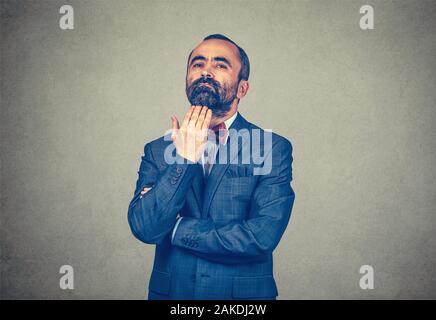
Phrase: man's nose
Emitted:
{"points": [[206, 73]]}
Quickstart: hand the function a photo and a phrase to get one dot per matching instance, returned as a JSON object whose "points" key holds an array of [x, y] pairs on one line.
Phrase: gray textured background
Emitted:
{"points": [[78, 106]]}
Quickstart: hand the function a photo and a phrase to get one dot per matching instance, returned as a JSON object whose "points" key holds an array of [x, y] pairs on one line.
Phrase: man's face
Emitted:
{"points": [[212, 76]]}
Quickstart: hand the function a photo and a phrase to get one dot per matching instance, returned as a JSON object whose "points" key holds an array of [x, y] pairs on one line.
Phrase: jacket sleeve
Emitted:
{"points": [[252, 239], [153, 216]]}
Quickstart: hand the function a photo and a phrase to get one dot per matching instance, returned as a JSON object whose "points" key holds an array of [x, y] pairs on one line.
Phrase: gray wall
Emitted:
{"points": [[78, 106]]}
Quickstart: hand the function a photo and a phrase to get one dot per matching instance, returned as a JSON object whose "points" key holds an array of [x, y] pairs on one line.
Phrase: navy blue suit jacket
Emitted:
{"points": [[232, 222]]}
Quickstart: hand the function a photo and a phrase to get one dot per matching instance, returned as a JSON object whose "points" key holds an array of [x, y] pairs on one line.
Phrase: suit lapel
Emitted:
{"points": [[198, 187], [218, 170]]}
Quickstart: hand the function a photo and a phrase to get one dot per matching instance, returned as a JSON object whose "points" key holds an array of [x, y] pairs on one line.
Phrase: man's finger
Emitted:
{"points": [[207, 119], [187, 117], [201, 118], [175, 127], [175, 122], [144, 191], [194, 117]]}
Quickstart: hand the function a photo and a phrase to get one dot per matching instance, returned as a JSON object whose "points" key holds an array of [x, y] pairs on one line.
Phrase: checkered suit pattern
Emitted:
{"points": [[232, 222]]}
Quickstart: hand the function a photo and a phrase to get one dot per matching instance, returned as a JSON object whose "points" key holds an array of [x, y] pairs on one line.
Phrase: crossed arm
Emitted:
{"points": [[153, 214]]}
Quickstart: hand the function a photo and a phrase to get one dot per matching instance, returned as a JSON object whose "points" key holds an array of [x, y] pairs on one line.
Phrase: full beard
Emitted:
{"points": [[215, 98]]}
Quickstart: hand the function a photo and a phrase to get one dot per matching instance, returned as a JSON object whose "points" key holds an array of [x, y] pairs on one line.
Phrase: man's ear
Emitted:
{"points": [[242, 88]]}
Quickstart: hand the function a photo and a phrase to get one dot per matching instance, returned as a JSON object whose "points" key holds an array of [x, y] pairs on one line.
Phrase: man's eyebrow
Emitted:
{"points": [[222, 59], [200, 57]]}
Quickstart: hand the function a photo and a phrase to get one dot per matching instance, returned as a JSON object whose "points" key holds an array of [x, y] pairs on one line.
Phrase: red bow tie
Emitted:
{"points": [[221, 132]]}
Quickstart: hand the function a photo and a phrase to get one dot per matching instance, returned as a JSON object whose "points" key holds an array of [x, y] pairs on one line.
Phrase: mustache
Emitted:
{"points": [[210, 81]]}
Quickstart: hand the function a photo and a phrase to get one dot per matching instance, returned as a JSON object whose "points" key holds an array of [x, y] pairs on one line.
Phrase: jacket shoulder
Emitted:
{"points": [[157, 146], [160, 142], [277, 139]]}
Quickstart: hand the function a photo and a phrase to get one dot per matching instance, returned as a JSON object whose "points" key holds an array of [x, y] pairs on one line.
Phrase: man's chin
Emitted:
{"points": [[216, 110], [203, 100], [203, 104]]}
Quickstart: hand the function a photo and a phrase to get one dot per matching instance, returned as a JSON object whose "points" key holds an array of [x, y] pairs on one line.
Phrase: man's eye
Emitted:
{"points": [[223, 66], [197, 65]]}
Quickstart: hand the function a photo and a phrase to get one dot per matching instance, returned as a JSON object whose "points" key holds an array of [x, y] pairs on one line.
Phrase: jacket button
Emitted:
{"points": [[179, 170]]}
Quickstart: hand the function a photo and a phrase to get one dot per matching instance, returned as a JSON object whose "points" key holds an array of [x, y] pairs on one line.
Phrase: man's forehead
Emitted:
{"points": [[216, 47]]}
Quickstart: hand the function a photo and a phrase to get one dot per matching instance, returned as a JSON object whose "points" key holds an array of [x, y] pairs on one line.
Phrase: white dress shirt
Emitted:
{"points": [[211, 148]]}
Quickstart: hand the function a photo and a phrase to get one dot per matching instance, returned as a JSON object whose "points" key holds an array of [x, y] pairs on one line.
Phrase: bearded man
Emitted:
{"points": [[214, 202]]}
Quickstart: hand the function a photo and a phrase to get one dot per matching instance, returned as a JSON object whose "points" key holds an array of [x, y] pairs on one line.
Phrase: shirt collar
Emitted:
{"points": [[228, 123], [230, 120]]}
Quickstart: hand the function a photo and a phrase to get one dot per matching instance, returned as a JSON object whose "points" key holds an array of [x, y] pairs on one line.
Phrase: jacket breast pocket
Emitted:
{"points": [[239, 185], [239, 171]]}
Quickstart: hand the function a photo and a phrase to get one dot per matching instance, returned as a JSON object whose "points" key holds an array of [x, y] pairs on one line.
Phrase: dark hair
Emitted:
{"points": [[244, 73]]}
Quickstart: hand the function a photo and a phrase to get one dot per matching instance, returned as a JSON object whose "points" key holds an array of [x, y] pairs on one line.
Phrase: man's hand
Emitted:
{"points": [[144, 191], [190, 139]]}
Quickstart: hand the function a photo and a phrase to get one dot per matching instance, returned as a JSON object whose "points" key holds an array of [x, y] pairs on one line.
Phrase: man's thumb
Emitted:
{"points": [[175, 127]]}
